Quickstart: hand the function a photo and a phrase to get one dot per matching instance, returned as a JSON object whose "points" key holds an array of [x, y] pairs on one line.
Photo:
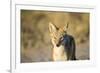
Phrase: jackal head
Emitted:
{"points": [[58, 35]]}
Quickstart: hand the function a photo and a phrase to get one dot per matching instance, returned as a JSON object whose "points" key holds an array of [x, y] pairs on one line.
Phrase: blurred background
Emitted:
{"points": [[36, 45]]}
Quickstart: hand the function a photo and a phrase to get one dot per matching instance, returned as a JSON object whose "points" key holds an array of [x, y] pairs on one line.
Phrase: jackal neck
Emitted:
{"points": [[59, 53]]}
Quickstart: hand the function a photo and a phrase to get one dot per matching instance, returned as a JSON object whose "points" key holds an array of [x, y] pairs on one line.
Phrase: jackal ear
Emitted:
{"points": [[66, 27], [52, 27]]}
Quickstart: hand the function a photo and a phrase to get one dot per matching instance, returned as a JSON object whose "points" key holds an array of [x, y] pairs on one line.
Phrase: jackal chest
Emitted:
{"points": [[59, 54]]}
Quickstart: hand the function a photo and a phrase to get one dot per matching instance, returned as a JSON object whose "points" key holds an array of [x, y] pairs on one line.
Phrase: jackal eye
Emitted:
{"points": [[54, 37], [61, 38]]}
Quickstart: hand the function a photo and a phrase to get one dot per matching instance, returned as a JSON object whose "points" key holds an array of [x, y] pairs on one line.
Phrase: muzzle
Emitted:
{"points": [[62, 41]]}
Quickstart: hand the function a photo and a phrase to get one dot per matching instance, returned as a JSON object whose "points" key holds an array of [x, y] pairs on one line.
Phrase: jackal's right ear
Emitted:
{"points": [[52, 28]]}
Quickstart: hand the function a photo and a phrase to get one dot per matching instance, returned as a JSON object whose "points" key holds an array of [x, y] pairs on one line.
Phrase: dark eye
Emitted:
{"points": [[61, 38], [54, 37]]}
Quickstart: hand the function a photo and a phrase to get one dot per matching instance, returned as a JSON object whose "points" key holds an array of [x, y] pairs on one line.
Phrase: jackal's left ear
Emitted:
{"points": [[66, 27], [52, 27]]}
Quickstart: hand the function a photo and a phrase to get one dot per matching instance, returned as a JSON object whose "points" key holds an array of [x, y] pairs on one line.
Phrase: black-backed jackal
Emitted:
{"points": [[63, 44]]}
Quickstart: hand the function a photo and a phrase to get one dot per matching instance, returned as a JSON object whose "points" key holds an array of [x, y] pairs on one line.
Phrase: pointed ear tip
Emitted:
{"points": [[50, 25], [67, 24]]}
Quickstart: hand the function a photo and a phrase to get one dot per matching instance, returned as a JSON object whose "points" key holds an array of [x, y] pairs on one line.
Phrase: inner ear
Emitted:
{"points": [[66, 27], [52, 28]]}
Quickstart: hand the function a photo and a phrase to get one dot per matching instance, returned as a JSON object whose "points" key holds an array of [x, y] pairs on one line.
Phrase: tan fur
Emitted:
{"points": [[59, 53]]}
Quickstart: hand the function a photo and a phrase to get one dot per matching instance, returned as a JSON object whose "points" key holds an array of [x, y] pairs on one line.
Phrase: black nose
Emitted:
{"points": [[60, 41], [58, 45]]}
